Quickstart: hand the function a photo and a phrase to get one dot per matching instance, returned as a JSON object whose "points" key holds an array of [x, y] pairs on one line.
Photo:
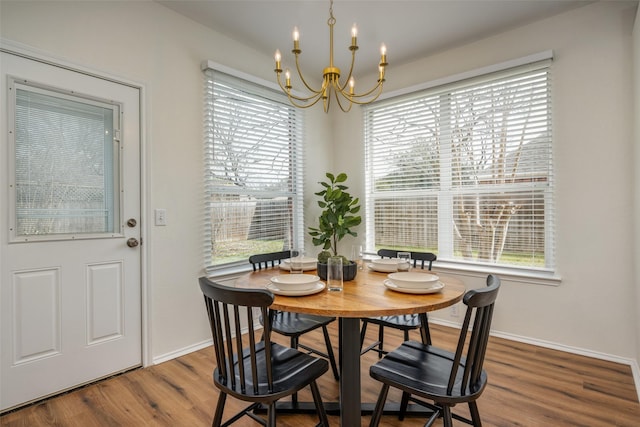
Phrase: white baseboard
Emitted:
{"points": [[636, 376], [190, 349], [181, 352], [633, 364]]}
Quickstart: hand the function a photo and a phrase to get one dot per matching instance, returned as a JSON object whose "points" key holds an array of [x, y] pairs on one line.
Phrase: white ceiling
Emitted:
{"points": [[409, 28]]}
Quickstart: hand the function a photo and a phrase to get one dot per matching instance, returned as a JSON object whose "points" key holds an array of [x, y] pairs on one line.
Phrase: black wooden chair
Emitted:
{"points": [[260, 261], [293, 325], [445, 378], [423, 257], [256, 371], [406, 322]]}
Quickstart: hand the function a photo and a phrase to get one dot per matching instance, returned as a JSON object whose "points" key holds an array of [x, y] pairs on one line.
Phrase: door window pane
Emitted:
{"points": [[66, 162]]}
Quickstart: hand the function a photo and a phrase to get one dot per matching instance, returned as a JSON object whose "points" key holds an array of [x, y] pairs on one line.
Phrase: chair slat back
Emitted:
{"points": [[260, 261], [387, 253], [226, 308], [480, 304], [423, 257]]}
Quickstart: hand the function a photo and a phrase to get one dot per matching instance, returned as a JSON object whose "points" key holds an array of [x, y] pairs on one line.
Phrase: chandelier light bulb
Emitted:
{"points": [[287, 76], [383, 55], [354, 36], [296, 40], [278, 58]]}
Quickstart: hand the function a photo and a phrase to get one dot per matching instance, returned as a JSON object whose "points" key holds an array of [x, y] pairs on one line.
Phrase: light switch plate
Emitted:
{"points": [[161, 216]]}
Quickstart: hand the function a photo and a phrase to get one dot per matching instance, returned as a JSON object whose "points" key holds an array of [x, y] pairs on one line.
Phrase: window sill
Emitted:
{"points": [[228, 272], [520, 275]]}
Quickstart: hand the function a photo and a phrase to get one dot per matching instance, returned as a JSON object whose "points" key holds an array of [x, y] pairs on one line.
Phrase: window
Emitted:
{"points": [[254, 160], [465, 170], [66, 164]]}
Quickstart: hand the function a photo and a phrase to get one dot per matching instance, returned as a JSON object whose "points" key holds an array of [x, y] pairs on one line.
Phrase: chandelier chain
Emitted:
{"points": [[331, 20]]}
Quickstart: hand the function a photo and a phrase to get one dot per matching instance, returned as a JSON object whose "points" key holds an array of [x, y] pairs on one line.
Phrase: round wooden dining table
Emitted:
{"points": [[365, 296]]}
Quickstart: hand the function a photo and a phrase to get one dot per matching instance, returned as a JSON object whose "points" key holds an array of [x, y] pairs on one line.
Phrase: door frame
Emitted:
{"points": [[10, 47]]}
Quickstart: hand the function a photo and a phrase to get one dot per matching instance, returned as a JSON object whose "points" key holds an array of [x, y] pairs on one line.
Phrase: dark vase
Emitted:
{"points": [[349, 271]]}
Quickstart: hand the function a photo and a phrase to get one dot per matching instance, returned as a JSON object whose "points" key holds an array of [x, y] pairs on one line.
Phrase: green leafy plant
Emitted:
{"points": [[338, 215]]}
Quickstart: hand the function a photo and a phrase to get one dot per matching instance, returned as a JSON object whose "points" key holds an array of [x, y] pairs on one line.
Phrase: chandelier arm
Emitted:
{"points": [[315, 92], [354, 97], [377, 87], [284, 89], [308, 99], [291, 96], [346, 82], [368, 100], [345, 110], [313, 101]]}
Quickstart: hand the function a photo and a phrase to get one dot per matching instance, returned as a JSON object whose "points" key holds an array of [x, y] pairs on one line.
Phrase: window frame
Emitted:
{"points": [[544, 275], [264, 89]]}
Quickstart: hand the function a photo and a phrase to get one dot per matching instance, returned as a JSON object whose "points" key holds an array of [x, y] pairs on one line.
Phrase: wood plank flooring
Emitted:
{"points": [[528, 386]]}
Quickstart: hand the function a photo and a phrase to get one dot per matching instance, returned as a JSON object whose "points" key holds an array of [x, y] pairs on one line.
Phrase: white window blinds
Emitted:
{"points": [[254, 159], [66, 164], [465, 170]]}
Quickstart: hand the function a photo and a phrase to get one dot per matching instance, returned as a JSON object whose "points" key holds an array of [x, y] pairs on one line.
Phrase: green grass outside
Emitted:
{"points": [[226, 252], [507, 258]]}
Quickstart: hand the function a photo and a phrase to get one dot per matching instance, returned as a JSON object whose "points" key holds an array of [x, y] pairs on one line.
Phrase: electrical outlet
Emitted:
{"points": [[454, 310]]}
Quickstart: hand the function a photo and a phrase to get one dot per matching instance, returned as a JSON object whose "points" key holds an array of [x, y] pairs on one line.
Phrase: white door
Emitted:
{"points": [[70, 297]]}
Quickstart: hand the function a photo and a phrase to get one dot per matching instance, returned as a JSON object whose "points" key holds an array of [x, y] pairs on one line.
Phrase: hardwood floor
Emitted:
{"points": [[528, 386]]}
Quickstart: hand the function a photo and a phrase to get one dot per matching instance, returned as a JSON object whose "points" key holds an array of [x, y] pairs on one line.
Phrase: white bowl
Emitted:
{"points": [[414, 280], [386, 265], [295, 281]]}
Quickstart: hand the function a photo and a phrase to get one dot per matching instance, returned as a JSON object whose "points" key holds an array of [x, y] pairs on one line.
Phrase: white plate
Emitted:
{"points": [[387, 265], [295, 281], [437, 287], [296, 292], [305, 267], [305, 260], [409, 279]]}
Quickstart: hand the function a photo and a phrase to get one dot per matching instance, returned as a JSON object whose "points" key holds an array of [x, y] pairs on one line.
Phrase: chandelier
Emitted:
{"points": [[331, 84]]}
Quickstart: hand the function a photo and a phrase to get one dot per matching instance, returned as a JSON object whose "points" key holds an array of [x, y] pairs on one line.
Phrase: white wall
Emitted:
{"points": [[594, 308], [150, 44]]}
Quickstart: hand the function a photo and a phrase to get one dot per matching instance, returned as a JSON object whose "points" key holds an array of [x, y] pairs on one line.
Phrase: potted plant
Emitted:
{"points": [[339, 215]]}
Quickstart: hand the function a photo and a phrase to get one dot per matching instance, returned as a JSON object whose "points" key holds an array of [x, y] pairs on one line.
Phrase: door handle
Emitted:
{"points": [[132, 242]]}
